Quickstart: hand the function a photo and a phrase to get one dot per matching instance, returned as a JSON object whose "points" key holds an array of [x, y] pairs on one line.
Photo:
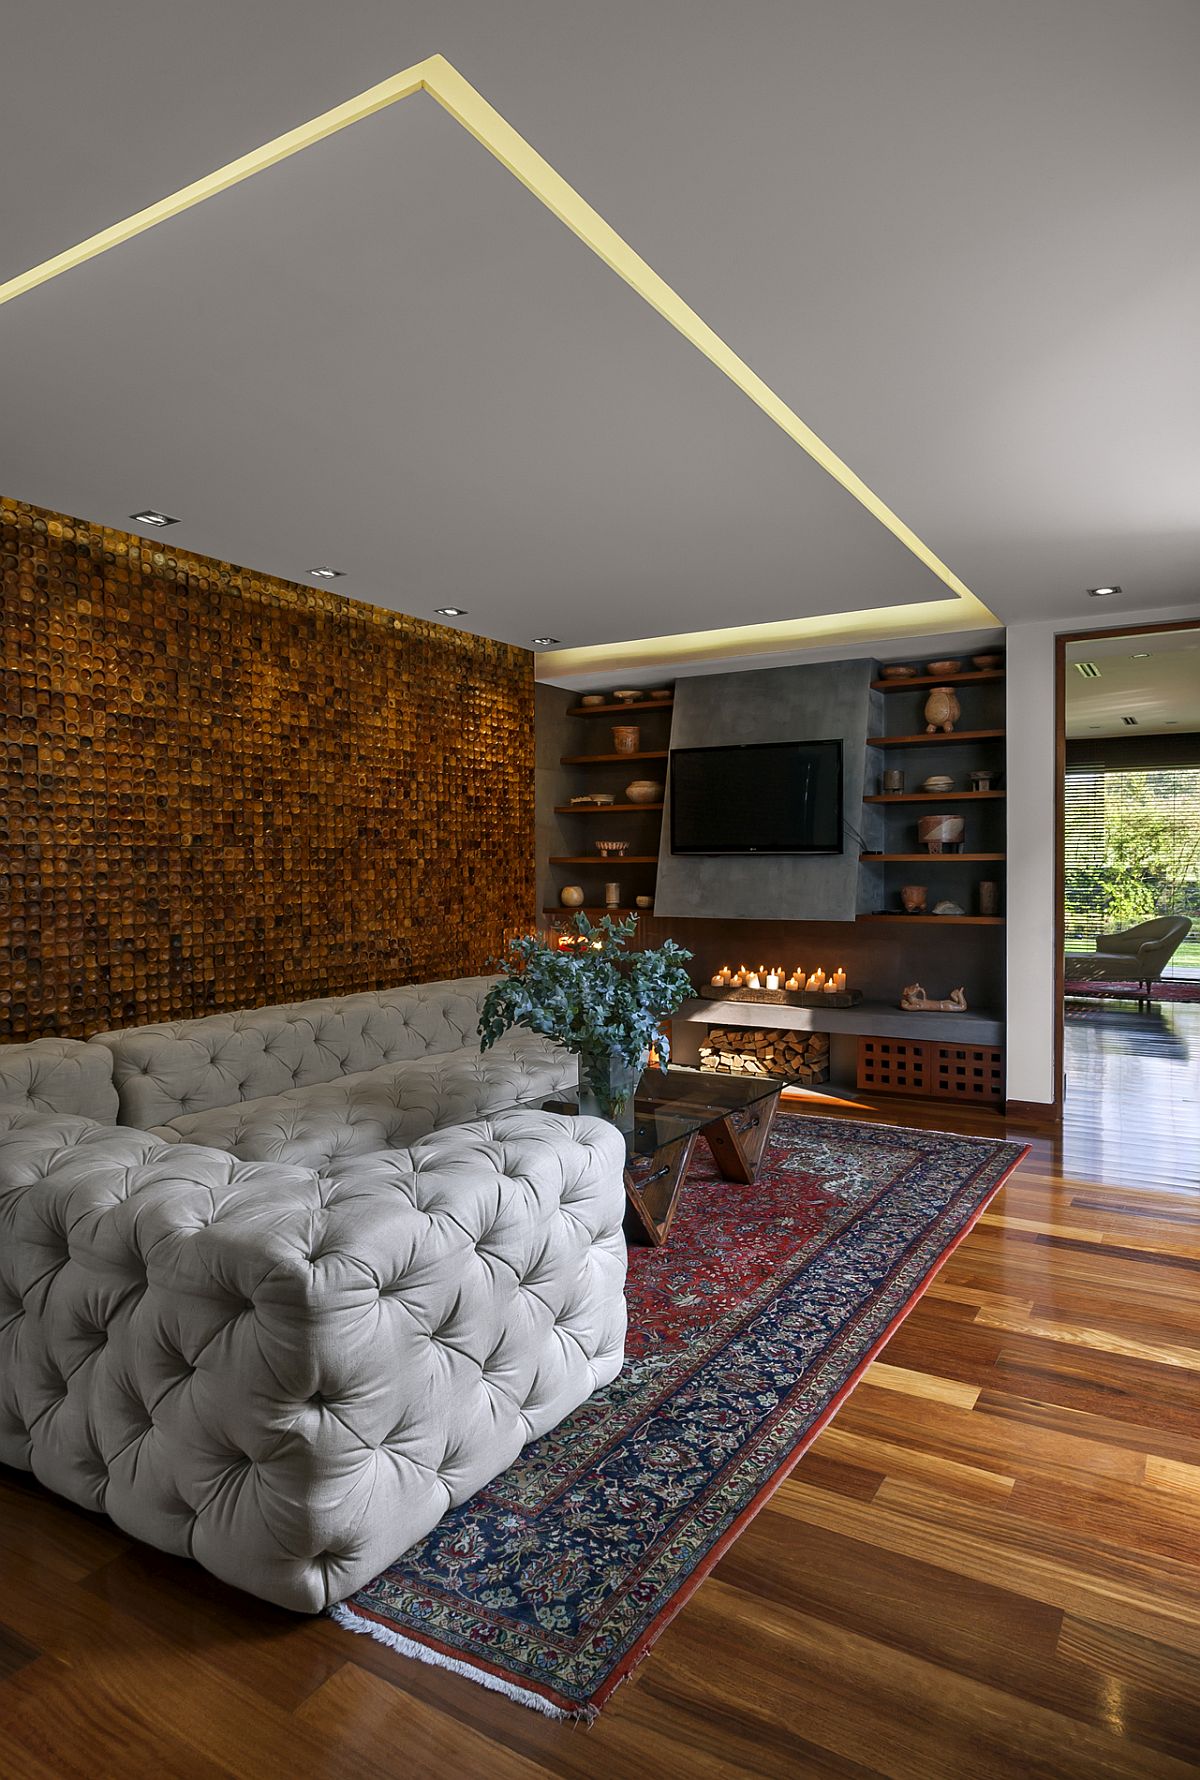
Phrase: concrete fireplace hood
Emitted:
{"points": [[813, 703]]}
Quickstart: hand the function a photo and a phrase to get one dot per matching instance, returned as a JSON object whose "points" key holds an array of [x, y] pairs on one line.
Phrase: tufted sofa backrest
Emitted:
{"points": [[189, 1066], [58, 1075]]}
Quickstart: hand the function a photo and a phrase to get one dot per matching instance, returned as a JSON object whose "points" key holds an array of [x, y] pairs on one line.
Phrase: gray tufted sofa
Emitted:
{"points": [[286, 1350]]}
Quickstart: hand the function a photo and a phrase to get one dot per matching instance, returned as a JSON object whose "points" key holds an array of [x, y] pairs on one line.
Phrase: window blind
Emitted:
{"points": [[1131, 846]]}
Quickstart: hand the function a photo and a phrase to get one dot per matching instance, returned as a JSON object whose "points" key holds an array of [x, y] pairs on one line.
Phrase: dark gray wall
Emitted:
{"points": [[816, 703]]}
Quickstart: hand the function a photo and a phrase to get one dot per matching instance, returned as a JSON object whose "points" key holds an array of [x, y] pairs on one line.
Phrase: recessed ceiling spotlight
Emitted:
{"points": [[1102, 593], [1142, 655], [326, 574], [151, 516], [543, 642], [451, 611]]}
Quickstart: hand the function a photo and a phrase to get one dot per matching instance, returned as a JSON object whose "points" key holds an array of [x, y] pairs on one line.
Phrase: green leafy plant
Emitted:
{"points": [[595, 997]]}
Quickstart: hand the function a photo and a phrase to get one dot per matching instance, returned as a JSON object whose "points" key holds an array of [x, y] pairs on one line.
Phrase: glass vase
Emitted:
{"points": [[607, 1084]]}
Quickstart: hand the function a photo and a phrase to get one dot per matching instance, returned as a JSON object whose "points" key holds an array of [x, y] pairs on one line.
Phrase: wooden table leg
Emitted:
{"points": [[739, 1154], [653, 1192]]}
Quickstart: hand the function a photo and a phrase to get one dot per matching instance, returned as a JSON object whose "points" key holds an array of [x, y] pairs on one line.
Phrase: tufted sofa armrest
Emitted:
{"points": [[59, 1075], [291, 1376]]}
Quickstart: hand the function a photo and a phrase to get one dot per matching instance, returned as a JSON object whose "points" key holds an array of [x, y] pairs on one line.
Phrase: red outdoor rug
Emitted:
{"points": [[745, 1333]]}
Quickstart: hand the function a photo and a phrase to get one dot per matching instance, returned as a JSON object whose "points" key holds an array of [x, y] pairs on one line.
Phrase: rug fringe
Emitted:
{"points": [[355, 1622]]}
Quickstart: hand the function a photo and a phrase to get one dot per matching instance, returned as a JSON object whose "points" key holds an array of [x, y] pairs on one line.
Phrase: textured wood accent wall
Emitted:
{"points": [[223, 790]]}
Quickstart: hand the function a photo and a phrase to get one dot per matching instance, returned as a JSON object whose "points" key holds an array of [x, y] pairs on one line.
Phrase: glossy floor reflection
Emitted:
{"points": [[1132, 1110]]}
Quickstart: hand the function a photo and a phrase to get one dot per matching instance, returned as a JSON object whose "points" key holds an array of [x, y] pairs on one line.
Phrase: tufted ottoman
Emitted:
{"points": [[290, 1374]]}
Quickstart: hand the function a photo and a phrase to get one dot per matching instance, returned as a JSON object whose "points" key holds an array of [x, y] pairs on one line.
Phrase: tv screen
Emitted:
{"points": [[766, 797]]}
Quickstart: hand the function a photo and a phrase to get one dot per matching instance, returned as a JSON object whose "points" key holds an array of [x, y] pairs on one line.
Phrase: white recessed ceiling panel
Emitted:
{"points": [[383, 354]]}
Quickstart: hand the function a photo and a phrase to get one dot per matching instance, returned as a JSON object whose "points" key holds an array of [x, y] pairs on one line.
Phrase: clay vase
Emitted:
{"points": [[942, 710], [912, 898], [571, 896], [940, 834], [626, 737], [989, 897]]}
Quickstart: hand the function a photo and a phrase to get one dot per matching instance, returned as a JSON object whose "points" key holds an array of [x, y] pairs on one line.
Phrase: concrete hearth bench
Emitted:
{"points": [[283, 1331]]}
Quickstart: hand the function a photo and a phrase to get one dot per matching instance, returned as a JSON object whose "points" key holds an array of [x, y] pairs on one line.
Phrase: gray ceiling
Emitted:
{"points": [[958, 238], [1153, 678]]}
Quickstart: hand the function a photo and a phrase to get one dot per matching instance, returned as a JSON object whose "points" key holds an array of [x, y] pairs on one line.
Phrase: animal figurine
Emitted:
{"points": [[942, 710], [915, 1001]]}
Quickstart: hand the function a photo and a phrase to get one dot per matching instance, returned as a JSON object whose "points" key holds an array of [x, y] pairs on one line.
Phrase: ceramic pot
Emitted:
{"points": [[942, 710], [571, 896], [912, 898], [983, 778], [893, 782], [644, 791], [943, 667], [940, 834], [984, 662], [989, 897], [612, 896], [626, 737], [893, 671], [938, 782], [644, 902], [593, 698]]}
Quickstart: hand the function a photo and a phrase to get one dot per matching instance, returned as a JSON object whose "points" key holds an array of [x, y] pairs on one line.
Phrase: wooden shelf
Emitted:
{"points": [[606, 860], [916, 680], [607, 710], [929, 741], [928, 859], [598, 759], [556, 908], [939, 920], [928, 796], [600, 809]]}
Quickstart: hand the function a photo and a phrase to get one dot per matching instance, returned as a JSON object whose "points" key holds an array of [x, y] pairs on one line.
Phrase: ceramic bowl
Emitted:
{"points": [[938, 782], [644, 791], [612, 849], [984, 662], [627, 695], [644, 902], [662, 691], [593, 698], [943, 667], [594, 799], [895, 671]]}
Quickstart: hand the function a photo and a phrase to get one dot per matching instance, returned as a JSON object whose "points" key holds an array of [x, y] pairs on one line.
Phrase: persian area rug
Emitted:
{"points": [[745, 1333], [1168, 989]]}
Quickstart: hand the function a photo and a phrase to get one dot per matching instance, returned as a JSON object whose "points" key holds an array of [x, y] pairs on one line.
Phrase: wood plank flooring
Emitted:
{"points": [[989, 1564]]}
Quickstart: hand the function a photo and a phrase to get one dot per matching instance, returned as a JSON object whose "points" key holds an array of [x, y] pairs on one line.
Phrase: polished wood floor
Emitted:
{"points": [[989, 1565]]}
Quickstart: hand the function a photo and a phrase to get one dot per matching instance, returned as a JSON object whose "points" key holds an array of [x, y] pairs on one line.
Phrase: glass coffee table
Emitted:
{"points": [[673, 1108]]}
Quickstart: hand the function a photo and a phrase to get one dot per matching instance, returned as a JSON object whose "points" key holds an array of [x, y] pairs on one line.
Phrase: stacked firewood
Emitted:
{"points": [[736, 1050]]}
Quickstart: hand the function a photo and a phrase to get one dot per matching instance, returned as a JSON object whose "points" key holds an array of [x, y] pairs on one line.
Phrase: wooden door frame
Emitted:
{"points": [[1062, 641]]}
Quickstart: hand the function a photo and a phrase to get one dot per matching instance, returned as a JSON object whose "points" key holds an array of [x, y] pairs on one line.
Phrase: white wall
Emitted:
{"points": [[1032, 1013]]}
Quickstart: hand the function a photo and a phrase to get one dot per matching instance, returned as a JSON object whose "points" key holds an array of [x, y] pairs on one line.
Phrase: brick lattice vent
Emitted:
{"points": [[796, 1056]]}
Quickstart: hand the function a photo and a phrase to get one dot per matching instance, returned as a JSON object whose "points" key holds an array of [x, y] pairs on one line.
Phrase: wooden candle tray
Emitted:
{"points": [[783, 997]]}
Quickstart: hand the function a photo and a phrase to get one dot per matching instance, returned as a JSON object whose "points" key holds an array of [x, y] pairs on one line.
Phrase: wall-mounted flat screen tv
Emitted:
{"points": [[765, 797]]}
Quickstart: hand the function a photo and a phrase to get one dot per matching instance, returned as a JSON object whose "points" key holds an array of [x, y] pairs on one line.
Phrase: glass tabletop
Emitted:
{"points": [[675, 1102]]}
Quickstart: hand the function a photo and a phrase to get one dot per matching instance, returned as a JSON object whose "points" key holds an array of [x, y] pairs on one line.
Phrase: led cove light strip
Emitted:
{"points": [[437, 77]]}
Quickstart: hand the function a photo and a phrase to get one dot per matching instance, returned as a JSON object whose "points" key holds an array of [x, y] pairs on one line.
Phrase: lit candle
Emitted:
{"points": [[793, 982], [812, 982], [718, 982], [752, 981], [839, 978], [772, 979], [829, 988]]}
